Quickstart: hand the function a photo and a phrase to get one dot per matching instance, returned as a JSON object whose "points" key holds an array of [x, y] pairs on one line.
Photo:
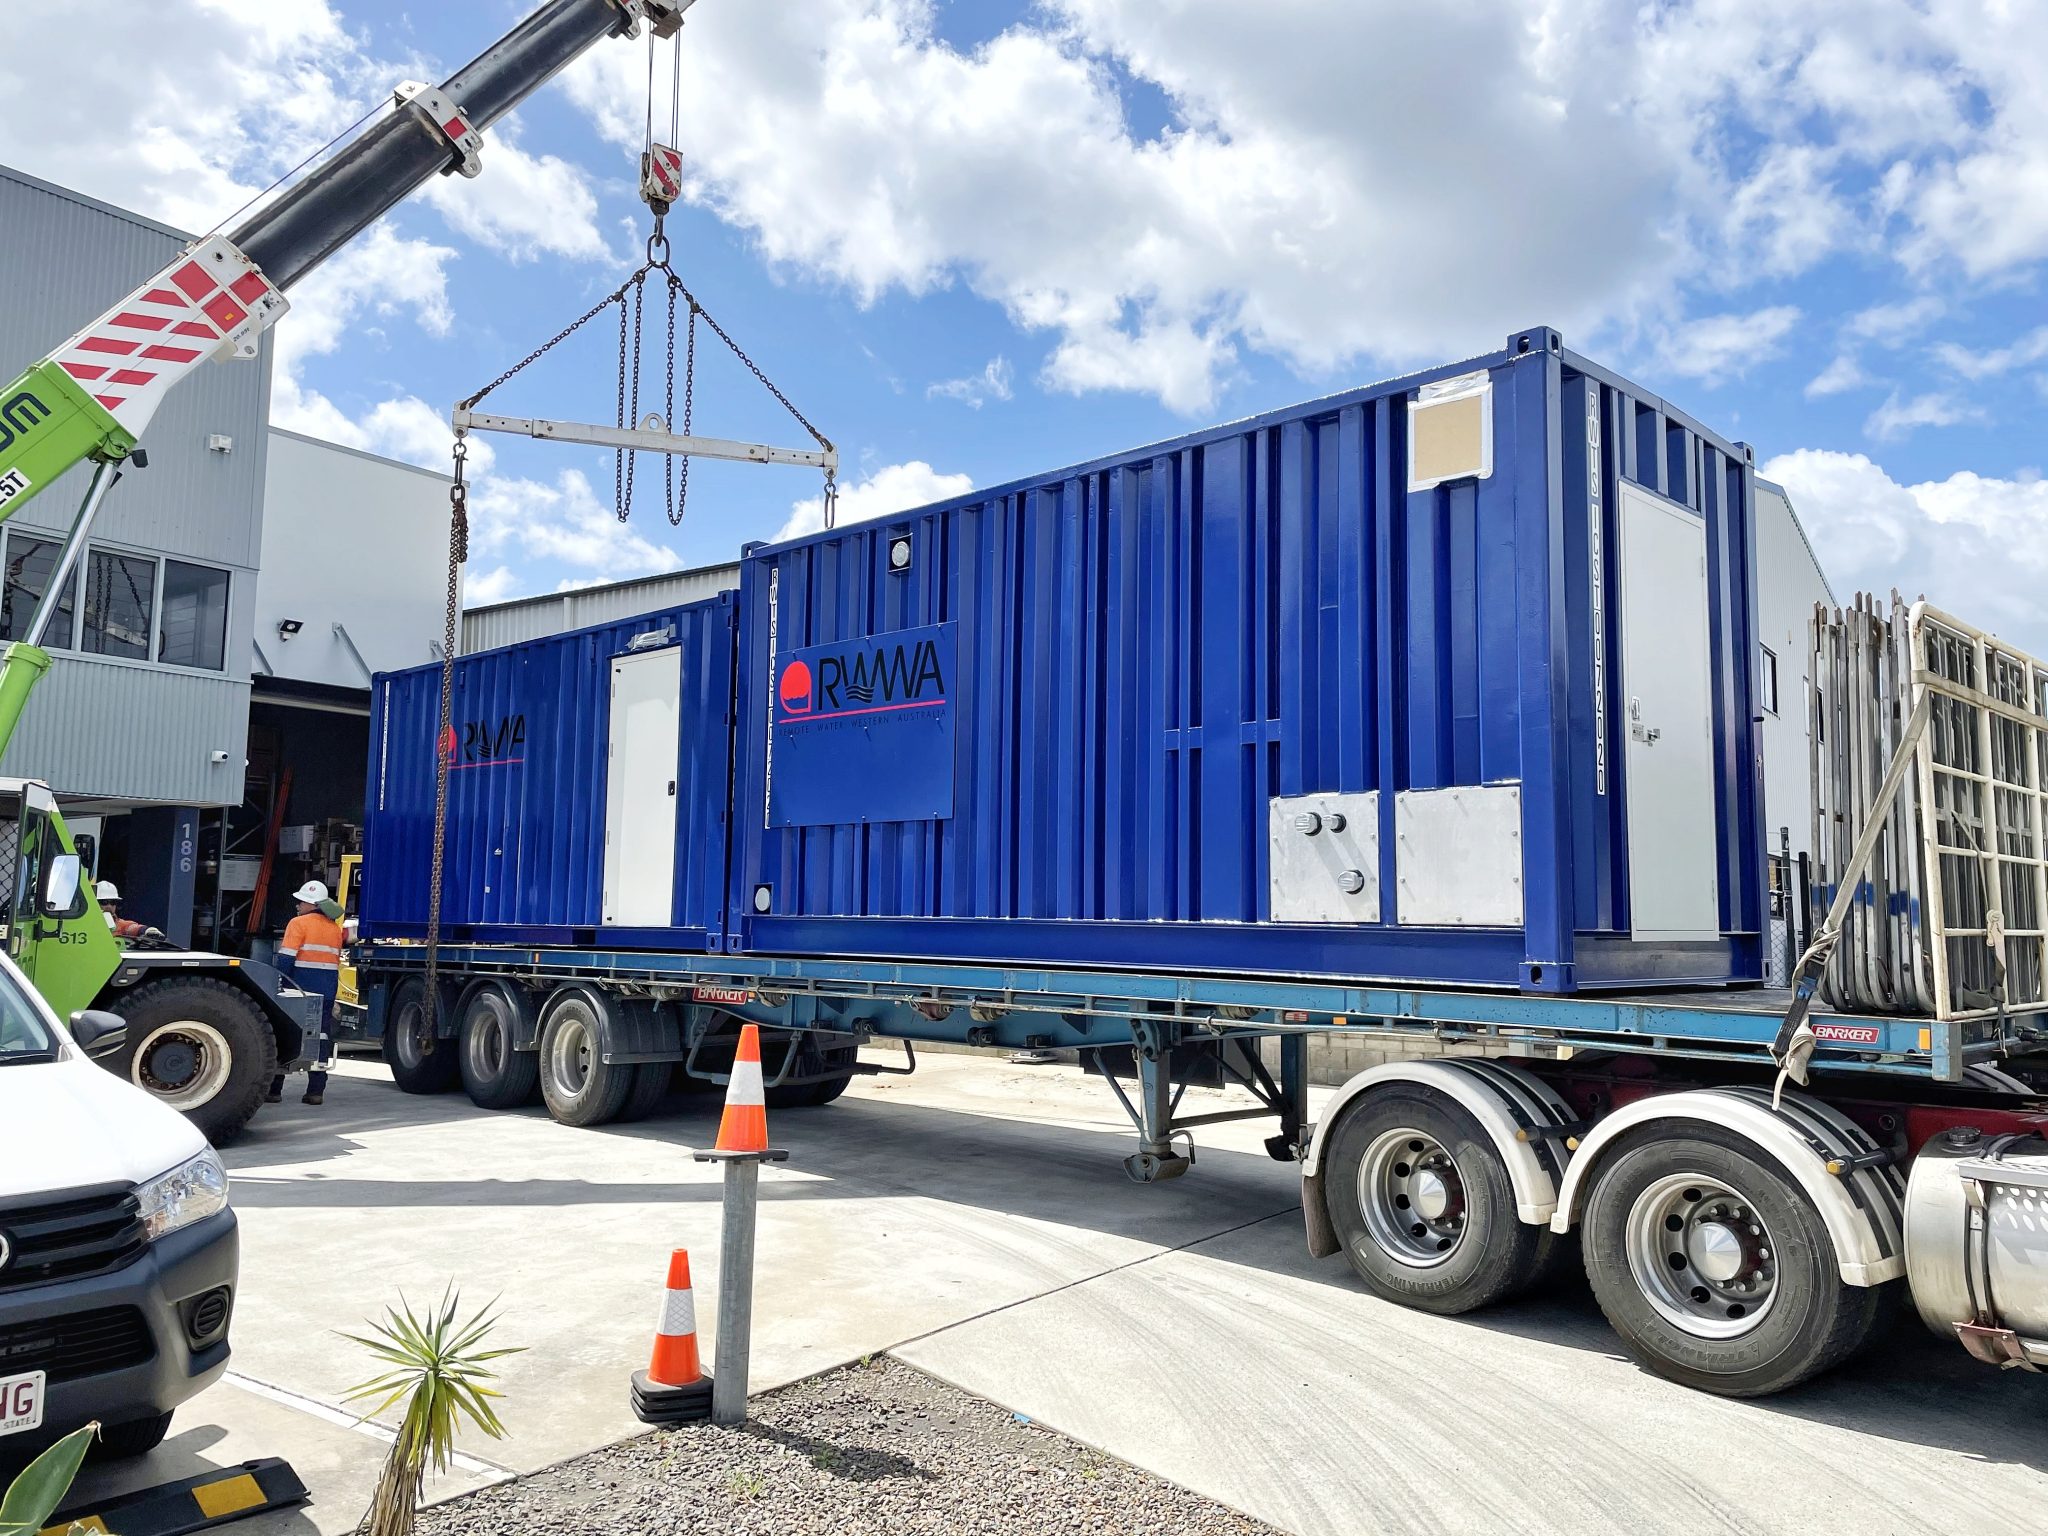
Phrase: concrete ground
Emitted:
{"points": [[973, 1219]]}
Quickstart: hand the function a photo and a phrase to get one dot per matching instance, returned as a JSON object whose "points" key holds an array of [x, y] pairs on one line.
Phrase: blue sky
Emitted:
{"points": [[977, 238]]}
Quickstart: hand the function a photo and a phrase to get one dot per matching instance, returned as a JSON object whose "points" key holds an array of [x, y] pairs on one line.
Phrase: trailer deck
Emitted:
{"points": [[1031, 1007]]}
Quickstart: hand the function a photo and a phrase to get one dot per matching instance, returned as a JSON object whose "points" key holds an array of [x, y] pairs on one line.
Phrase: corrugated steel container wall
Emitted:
{"points": [[1151, 647], [170, 723], [485, 629], [526, 817]]}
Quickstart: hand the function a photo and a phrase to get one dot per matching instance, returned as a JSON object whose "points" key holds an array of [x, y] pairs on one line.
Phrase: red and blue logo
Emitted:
{"points": [[876, 676]]}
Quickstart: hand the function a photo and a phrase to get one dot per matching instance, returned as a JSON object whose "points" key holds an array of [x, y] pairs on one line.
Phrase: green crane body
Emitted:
{"points": [[90, 401]]}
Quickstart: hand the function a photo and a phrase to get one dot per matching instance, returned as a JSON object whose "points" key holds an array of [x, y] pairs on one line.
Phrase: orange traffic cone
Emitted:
{"points": [[744, 1127], [674, 1389]]}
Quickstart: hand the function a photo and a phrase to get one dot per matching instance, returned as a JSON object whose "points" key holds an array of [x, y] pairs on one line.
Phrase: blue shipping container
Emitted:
{"points": [[587, 787], [1447, 679]]}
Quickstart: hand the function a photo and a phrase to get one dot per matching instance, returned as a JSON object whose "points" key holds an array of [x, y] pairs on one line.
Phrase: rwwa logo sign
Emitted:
{"points": [[863, 677]]}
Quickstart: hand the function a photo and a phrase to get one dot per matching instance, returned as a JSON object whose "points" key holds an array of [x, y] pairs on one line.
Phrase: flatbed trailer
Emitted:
{"points": [[1741, 1231]]}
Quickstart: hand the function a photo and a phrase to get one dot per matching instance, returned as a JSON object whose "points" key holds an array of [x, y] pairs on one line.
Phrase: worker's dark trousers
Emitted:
{"points": [[320, 1048]]}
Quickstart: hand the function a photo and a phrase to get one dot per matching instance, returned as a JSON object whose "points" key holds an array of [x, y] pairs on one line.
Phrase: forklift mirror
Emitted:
{"points": [[63, 891]]}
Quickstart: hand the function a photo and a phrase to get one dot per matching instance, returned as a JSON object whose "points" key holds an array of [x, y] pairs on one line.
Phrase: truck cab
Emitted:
{"points": [[205, 1032]]}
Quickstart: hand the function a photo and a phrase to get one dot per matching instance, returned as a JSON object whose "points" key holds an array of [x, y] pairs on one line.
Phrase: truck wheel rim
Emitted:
{"points": [[184, 1063], [487, 1043], [1412, 1198], [1702, 1256], [569, 1061]]}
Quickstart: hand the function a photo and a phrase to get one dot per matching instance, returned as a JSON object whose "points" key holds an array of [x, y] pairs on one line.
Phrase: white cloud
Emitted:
{"points": [[1898, 416], [1973, 544], [1839, 377], [1891, 324], [523, 206], [1719, 347], [180, 109], [384, 282], [992, 383], [1331, 187], [497, 585], [2029, 349], [892, 488], [562, 522]]}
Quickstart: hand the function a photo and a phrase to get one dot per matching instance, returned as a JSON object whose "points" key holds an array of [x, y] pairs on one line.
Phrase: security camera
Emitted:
{"points": [[219, 757]]}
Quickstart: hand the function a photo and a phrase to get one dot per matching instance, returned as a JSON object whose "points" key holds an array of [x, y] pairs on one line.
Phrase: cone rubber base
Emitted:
{"points": [[654, 1403]]}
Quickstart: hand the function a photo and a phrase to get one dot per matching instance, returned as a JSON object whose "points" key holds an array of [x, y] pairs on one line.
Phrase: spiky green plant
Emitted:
{"points": [[40, 1487], [439, 1366]]}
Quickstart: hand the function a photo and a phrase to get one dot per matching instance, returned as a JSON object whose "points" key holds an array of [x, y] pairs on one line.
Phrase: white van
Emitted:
{"points": [[118, 1252]]}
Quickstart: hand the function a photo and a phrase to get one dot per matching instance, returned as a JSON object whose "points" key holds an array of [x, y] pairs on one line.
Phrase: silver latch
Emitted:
{"points": [[1308, 823]]}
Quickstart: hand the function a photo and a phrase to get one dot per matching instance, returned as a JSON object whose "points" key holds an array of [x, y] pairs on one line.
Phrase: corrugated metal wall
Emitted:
{"points": [[134, 732], [526, 795], [557, 613], [1150, 648]]}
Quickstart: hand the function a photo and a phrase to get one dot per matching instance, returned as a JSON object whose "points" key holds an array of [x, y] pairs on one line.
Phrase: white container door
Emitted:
{"points": [[640, 790], [1666, 688]]}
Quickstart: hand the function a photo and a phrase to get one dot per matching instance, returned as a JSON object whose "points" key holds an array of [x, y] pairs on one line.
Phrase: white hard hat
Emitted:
{"points": [[106, 890], [313, 891]]}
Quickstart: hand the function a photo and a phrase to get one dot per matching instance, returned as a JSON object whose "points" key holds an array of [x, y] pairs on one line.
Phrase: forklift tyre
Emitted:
{"points": [[414, 1069], [201, 1046]]}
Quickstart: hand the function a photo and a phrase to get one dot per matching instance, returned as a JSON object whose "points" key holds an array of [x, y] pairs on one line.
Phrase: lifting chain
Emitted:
{"points": [[630, 297], [444, 739]]}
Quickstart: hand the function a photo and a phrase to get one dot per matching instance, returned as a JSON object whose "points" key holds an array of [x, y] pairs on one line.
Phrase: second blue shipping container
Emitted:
{"points": [[588, 782], [1448, 679]]}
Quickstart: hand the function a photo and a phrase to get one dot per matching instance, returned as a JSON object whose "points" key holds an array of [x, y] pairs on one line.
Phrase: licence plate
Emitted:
{"points": [[21, 1403]]}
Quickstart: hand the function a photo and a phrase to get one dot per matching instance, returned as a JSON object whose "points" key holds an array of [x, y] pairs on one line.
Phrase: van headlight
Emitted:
{"points": [[189, 1192]]}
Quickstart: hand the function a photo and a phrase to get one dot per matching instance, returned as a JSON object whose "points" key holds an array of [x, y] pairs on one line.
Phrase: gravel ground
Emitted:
{"points": [[873, 1450]]}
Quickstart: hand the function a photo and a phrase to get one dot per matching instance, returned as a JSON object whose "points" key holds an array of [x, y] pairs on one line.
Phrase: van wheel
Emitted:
{"points": [[576, 1084], [1424, 1207], [495, 1073], [1714, 1267], [200, 1046], [413, 1067]]}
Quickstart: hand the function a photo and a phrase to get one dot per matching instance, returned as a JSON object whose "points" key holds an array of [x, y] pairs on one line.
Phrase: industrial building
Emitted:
{"points": [[216, 645]]}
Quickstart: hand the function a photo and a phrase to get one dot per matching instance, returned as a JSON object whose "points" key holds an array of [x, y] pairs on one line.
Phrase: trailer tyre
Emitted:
{"points": [[414, 1068], [495, 1072], [814, 1095], [651, 1080], [201, 1046], [576, 1083], [1714, 1267], [1424, 1207]]}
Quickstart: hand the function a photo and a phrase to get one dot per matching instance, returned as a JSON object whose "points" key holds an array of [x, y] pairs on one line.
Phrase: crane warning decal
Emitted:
{"points": [[863, 730]]}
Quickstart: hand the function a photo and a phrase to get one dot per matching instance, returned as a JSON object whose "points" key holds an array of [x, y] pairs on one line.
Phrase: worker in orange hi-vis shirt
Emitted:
{"points": [[310, 955]]}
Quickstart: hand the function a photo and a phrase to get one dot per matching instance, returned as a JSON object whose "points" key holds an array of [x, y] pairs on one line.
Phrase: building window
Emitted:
{"points": [[194, 631], [1768, 681], [27, 572], [120, 599]]}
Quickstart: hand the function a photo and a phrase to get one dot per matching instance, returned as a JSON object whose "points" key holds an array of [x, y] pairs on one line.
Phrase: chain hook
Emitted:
{"points": [[658, 241], [831, 498]]}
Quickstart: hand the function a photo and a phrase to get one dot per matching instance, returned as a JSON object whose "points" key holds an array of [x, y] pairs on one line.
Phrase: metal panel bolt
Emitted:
{"points": [[1308, 823], [1334, 821], [1351, 881]]}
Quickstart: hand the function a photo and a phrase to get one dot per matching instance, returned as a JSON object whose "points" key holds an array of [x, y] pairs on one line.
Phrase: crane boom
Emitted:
{"points": [[91, 398]]}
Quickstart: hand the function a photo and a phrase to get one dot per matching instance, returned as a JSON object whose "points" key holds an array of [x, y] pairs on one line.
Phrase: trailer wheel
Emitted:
{"points": [[1714, 1267], [813, 1095], [651, 1082], [414, 1068], [495, 1072], [201, 1046], [576, 1084], [1424, 1207]]}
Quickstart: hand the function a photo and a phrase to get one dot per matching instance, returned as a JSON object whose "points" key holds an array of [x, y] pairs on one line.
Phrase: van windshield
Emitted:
{"points": [[23, 1035]]}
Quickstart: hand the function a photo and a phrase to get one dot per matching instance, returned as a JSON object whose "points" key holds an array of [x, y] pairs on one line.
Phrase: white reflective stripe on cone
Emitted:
{"points": [[678, 1314], [745, 1087]]}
